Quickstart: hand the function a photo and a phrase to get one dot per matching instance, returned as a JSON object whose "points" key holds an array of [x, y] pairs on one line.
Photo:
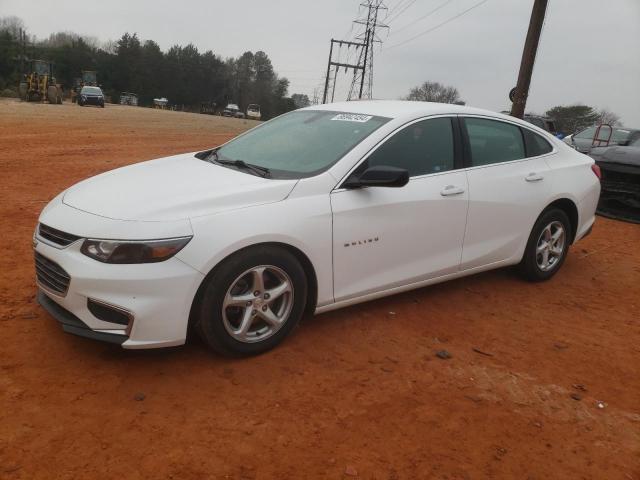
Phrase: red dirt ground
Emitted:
{"points": [[357, 393]]}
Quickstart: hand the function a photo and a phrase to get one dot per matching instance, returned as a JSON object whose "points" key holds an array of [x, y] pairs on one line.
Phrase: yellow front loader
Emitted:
{"points": [[39, 84]]}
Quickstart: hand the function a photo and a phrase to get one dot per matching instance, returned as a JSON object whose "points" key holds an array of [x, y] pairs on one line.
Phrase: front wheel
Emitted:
{"points": [[252, 301], [547, 246]]}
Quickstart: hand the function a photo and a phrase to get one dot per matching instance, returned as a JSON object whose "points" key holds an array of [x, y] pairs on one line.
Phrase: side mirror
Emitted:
{"points": [[379, 176]]}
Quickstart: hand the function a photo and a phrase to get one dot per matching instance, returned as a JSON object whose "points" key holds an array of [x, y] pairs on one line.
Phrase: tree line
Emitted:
{"points": [[182, 74]]}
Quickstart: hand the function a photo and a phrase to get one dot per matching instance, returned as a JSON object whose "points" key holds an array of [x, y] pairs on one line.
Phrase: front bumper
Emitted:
{"points": [[93, 100], [620, 197], [72, 324], [157, 296]]}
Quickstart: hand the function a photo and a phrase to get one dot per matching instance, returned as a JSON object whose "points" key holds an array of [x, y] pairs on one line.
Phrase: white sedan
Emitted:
{"points": [[315, 210]]}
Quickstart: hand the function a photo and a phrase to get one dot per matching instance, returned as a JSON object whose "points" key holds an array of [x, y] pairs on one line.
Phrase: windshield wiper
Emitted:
{"points": [[257, 169]]}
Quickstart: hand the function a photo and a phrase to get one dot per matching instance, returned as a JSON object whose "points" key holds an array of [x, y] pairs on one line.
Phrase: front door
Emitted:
{"points": [[386, 237]]}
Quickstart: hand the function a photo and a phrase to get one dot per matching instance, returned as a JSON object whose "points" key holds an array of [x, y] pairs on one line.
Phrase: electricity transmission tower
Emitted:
{"points": [[362, 82]]}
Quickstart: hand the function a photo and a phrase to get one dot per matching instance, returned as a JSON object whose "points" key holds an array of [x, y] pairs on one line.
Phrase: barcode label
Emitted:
{"points": [[352, 117]]}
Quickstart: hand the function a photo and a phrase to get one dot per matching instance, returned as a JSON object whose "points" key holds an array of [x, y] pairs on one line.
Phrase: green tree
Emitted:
{"points": [[572, 118], [264, 85], [300, 100], [127, 63]]}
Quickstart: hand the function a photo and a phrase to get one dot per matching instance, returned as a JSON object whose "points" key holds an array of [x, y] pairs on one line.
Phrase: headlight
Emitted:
{"points": [[125, 251]]}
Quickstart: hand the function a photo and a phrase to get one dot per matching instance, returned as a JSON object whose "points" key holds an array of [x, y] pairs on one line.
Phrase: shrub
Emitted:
{"points": [[9, 92]]}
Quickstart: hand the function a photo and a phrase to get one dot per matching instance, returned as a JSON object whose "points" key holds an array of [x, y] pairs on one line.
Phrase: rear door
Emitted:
{"points": [[508, 188], [389, 237]]}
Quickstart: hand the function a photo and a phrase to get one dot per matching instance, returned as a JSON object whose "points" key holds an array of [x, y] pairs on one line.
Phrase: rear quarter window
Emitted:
{"points": [[535, 144]]}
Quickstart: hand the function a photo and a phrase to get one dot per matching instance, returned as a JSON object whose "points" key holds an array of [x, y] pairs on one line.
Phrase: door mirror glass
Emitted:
{"points": [[379, 176]]}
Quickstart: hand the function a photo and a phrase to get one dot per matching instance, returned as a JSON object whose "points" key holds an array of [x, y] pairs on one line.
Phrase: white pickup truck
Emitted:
{"points": [[253, 111]]}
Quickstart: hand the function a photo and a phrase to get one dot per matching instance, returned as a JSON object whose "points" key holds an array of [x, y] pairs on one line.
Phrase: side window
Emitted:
{"points": [[493, 141], [536, 145], [421, 148]]}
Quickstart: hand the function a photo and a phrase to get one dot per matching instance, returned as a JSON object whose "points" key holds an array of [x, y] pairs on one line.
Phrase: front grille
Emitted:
{"points": [[56, 236], [620, 195], [51, 276]]}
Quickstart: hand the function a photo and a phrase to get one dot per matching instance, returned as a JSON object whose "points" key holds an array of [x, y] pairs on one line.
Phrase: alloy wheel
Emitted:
{"points": [[550, 246], [258, 303]]}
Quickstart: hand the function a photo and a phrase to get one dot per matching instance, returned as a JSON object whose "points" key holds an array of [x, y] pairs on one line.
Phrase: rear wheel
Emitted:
{"points": [[547, 246], [252, 301]]}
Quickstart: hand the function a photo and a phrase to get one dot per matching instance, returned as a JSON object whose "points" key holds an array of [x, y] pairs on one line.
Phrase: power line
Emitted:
{"points": [[411, 2], [440, 24], [422, 17], [394, 8]]}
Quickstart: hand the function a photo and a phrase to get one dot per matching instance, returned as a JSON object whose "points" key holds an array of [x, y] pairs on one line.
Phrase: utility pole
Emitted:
{"points": [[326, 81], [521, 92]]}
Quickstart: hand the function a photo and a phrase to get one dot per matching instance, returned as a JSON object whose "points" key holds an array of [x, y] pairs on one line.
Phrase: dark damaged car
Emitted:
{"points": [[620, 170]]}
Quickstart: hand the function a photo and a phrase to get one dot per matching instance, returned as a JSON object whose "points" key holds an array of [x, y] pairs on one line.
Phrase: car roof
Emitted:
{"points": [[403, 108]]}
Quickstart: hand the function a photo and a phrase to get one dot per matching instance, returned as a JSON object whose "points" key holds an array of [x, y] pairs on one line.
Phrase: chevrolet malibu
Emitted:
{"points": [[318, 209]]}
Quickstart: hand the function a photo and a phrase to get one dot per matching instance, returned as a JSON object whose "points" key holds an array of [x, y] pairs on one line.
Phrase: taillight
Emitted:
{"points": [[596, 169]]}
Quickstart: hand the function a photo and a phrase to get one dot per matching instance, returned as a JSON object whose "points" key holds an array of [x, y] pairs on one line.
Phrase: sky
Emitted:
{"points": [[589, 51]]}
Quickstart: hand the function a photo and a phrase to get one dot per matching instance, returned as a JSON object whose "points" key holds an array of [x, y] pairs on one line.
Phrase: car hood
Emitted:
{"points": [[173, 188]]}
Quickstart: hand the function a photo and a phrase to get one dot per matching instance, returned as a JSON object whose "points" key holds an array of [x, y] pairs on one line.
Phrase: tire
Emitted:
{"points": [[234, 281], [554, 225]]}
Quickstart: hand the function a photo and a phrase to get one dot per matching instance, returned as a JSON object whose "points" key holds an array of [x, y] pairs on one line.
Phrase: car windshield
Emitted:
{"points": [[231, 106], [91, 90], [302, 143], [586, 133]]}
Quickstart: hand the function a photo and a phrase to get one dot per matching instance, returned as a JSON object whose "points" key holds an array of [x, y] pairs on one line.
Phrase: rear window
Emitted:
{"points": [[536, 145]]}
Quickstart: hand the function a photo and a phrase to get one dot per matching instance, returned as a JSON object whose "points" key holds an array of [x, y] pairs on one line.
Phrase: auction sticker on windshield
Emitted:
{"points": [[352, 117]]}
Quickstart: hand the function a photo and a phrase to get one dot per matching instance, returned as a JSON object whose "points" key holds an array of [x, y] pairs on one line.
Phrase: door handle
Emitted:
{"points": [[450, 190], [533, 177]]}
